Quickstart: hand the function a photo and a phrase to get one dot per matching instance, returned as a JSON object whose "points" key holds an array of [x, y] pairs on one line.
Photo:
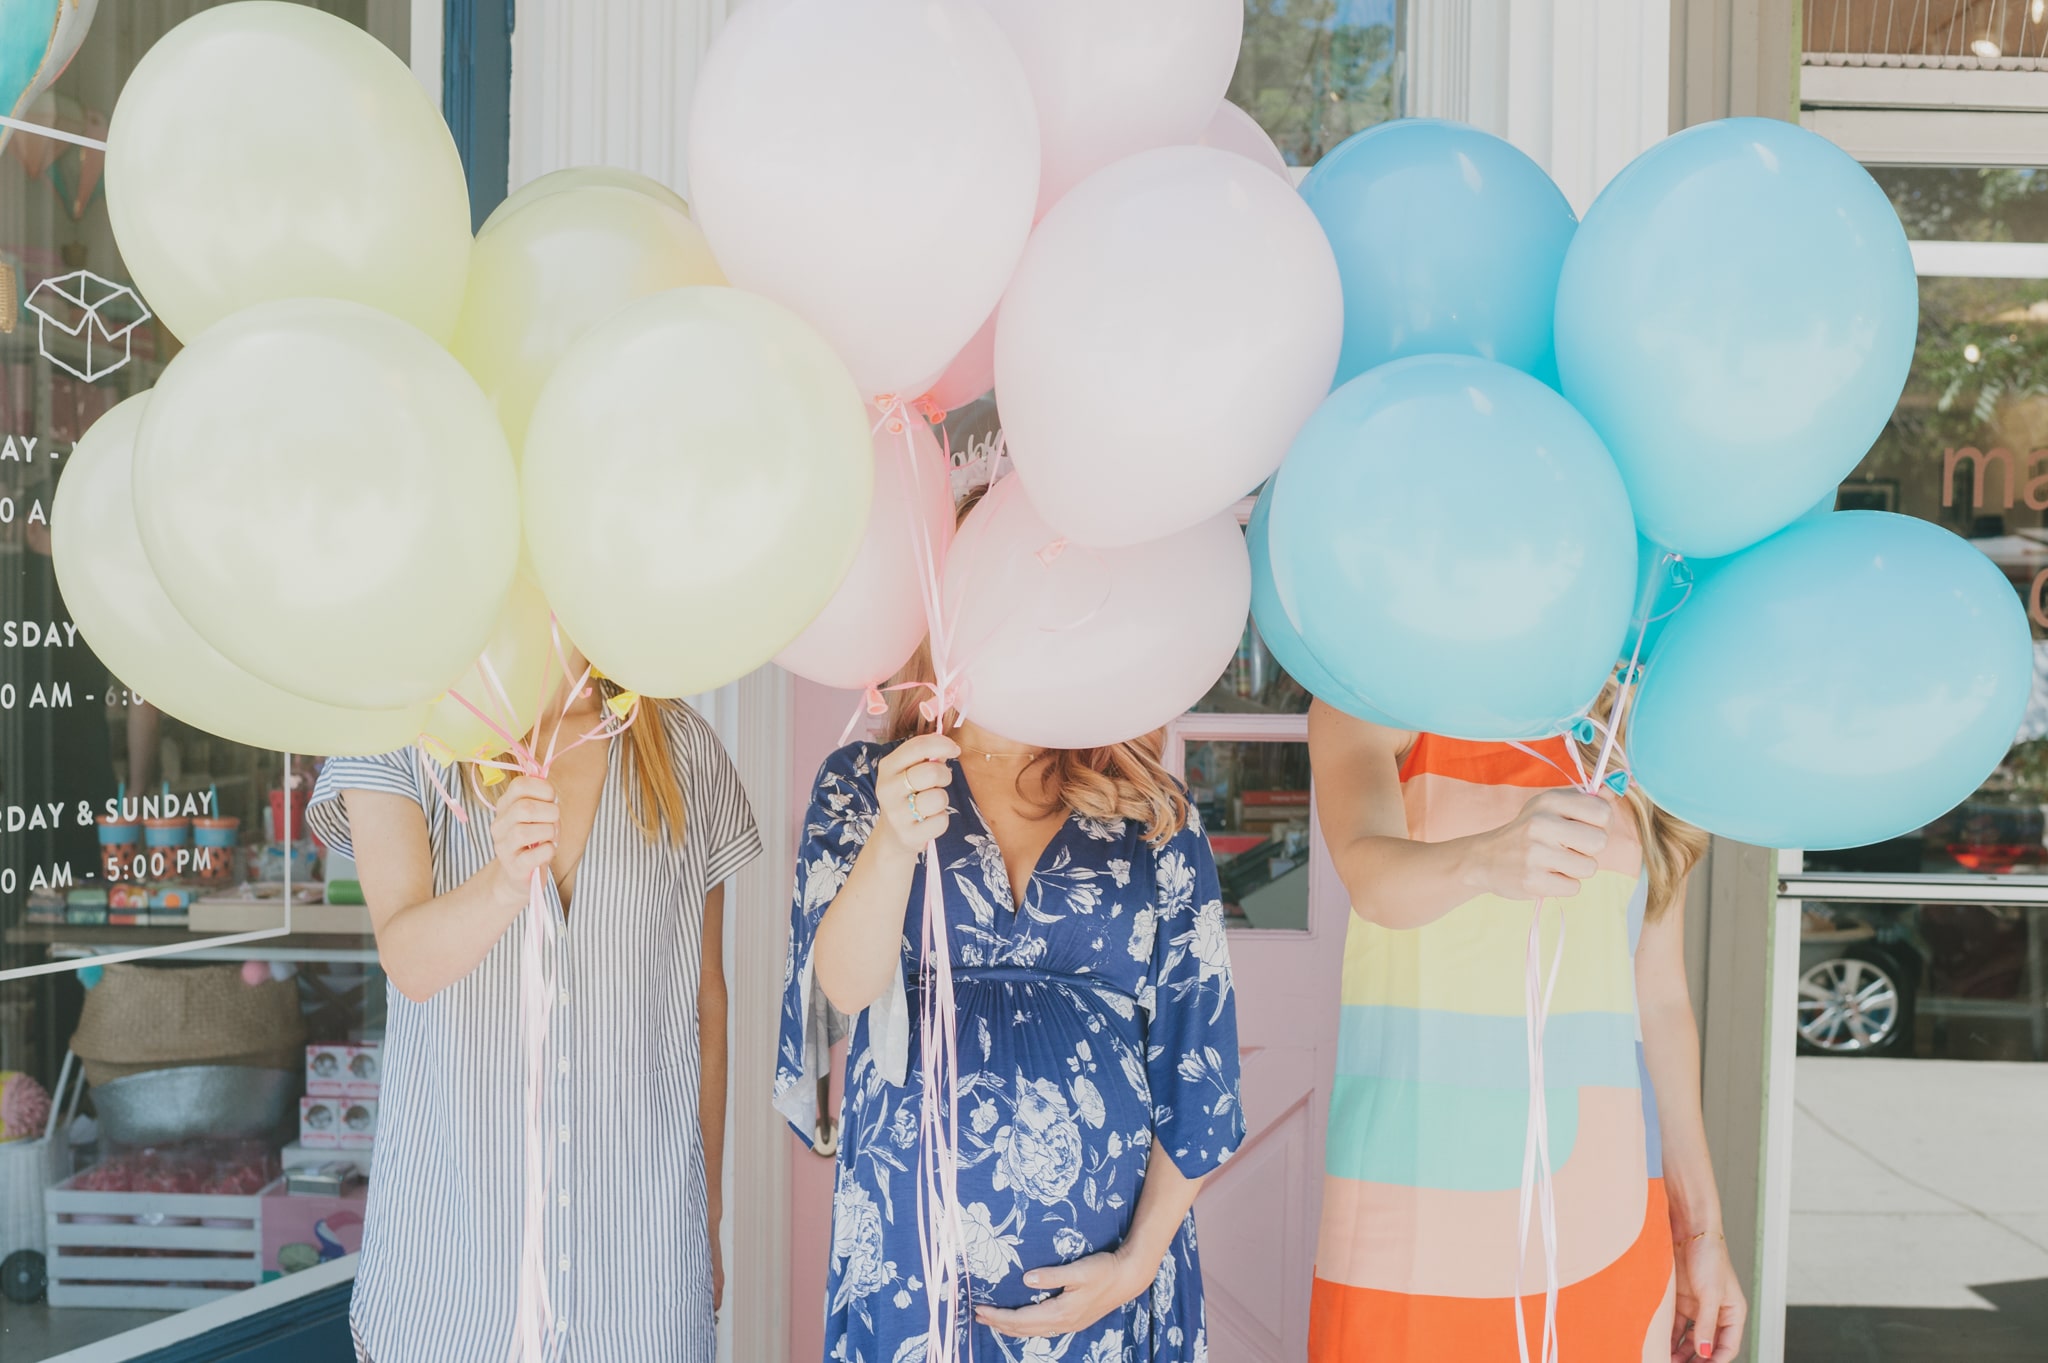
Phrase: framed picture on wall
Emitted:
{"points": [[1868, 494]]}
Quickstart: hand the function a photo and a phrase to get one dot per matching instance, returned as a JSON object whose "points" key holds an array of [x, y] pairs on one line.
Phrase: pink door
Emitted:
{"points": [[1257, 1215], [1248, 770]]}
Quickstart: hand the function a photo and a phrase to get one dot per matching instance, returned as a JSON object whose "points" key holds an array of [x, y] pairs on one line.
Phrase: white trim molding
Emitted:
{"points": [[608, 82], [1888, 87], [1934, 137], [429, 22], [1582, 86]]}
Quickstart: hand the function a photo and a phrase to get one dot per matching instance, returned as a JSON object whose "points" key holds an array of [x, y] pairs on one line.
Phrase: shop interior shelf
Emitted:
{"points": [[66, 941]]}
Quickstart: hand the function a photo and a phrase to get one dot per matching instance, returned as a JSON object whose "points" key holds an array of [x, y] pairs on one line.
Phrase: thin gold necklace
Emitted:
{"points": [[988, 756]]}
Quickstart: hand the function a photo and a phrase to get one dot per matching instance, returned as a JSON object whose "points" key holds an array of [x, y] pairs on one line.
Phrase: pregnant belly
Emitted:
{"points": [[1055, 1129]]}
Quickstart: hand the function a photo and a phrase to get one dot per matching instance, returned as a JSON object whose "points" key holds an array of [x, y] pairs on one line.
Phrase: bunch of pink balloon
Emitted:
{"points": [[1054, 200]]}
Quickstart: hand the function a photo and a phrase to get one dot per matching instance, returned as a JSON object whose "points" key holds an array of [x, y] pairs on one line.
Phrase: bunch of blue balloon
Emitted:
{"points": [[1561, 454]]}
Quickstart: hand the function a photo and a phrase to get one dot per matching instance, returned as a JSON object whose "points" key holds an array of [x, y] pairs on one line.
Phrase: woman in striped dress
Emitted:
{"points": [[1447, 848], [637, 835]]}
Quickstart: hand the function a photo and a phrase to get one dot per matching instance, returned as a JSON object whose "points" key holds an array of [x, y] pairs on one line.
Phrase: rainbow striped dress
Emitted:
{"points": [[1422, 1186]]}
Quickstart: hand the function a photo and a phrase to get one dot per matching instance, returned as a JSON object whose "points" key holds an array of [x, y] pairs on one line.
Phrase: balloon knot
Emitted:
{"points": [[875, 704], [931, 411], [1582, 730], [1618, 782], [1052, 551]]}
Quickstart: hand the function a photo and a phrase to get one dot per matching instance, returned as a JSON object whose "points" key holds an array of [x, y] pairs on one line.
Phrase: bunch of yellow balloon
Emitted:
{"points": [[310, 532]]}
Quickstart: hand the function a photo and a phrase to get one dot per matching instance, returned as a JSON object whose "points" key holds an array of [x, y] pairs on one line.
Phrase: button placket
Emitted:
{"points": [[561, 1040]]}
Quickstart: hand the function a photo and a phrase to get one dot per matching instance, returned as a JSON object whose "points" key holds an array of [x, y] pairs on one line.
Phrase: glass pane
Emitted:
{"points": [[1254, 802], [1313, 72], [1254, 683], [1916, 1196], [1968, 203], [1967, 448], [123, 827]]}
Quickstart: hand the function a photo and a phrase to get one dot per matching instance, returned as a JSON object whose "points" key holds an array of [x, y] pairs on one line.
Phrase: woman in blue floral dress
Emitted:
{"points": [[1098, 1065]]}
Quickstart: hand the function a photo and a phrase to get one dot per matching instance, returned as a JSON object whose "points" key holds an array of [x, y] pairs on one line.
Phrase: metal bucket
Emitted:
{"points": [[162, 1107]]}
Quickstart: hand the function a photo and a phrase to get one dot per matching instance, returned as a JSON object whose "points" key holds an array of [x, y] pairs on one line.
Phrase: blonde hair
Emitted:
{"points": [[647, 767], [1671, 846]]}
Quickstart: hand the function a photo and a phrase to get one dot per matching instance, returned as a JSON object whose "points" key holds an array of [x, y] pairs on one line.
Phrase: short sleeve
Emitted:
{"points": [[1191, 1030], [392, 773], [836, 828], [721, 818]]}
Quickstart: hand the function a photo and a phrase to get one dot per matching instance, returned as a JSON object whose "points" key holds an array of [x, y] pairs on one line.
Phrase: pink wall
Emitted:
{"points": [[821, 715]]}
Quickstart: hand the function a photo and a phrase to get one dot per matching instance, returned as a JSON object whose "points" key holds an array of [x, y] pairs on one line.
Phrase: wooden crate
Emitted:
{"points": [[152, 1251]]}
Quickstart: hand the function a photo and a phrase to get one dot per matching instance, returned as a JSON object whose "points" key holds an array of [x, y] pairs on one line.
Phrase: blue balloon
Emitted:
{"points": [[1454, 546], [1449, 241], [1736, 318], [1279, 636], [1841, 683], [1676, 579]]}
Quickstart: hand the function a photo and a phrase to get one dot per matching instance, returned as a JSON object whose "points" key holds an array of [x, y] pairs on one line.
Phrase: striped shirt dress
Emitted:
{"points": [[1423, 1168], [625, 1242]]}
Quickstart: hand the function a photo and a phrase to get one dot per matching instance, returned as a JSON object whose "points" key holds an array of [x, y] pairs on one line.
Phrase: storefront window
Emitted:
{"points": [[129, 831], [1914, 1234], [1313, 72], [1967, 448], [1254, 802]]}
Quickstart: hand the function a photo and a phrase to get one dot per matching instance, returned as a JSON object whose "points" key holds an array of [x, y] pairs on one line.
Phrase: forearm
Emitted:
{"points": [[1671, 1053], [1163, 1204], [711, 1086], [860, 937], [1400, 883], [428, 946]]}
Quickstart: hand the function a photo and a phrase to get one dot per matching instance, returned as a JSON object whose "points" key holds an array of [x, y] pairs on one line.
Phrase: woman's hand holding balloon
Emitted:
{"points": [[524, 829], [911, 788], [1546, 851]]}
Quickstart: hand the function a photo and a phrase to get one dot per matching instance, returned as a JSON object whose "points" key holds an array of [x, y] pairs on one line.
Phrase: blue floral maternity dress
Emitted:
{"points": [[1094, 1020]]}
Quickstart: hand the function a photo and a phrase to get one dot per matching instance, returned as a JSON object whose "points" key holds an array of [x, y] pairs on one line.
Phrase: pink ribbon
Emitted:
{"points": [[1539, 1190], [941, 1233]]}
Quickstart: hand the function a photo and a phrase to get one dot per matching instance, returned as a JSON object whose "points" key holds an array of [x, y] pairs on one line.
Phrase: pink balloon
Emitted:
{"points": [[872, 165], [1234, 130], [876, 620], [1071, 647], [972, 373], [1173, 323], [1114, 77]]}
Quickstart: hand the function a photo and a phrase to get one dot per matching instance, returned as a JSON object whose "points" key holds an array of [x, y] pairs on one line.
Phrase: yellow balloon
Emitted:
{"points": [[522, 658], [696, 485], [133, 628], [326, 495], [540, 276], [584, 177], [263, 150]]}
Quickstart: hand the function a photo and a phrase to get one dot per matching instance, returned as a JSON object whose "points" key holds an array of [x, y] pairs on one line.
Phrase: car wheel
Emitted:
{"points": [[1855, 1001]]}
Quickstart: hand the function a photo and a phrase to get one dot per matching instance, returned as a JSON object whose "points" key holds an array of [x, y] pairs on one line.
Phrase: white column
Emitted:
{"points": [[609, 82], [1583, 86]]}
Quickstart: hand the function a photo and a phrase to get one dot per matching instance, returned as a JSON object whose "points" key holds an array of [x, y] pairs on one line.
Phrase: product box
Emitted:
{"points": [[302, 1230], [298, 1157], [337, 1123], [343, 1069], [127, 897]]}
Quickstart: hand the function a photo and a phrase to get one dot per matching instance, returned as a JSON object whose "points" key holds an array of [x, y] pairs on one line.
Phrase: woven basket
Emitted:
{"points": [[141, 1017]]}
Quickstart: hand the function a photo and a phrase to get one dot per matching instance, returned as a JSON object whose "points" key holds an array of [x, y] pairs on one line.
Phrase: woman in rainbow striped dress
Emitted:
{"points": [[1447, 848]]}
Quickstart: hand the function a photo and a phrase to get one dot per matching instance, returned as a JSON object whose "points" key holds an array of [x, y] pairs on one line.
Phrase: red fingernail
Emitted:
{"points": [[1706, 1351]]}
